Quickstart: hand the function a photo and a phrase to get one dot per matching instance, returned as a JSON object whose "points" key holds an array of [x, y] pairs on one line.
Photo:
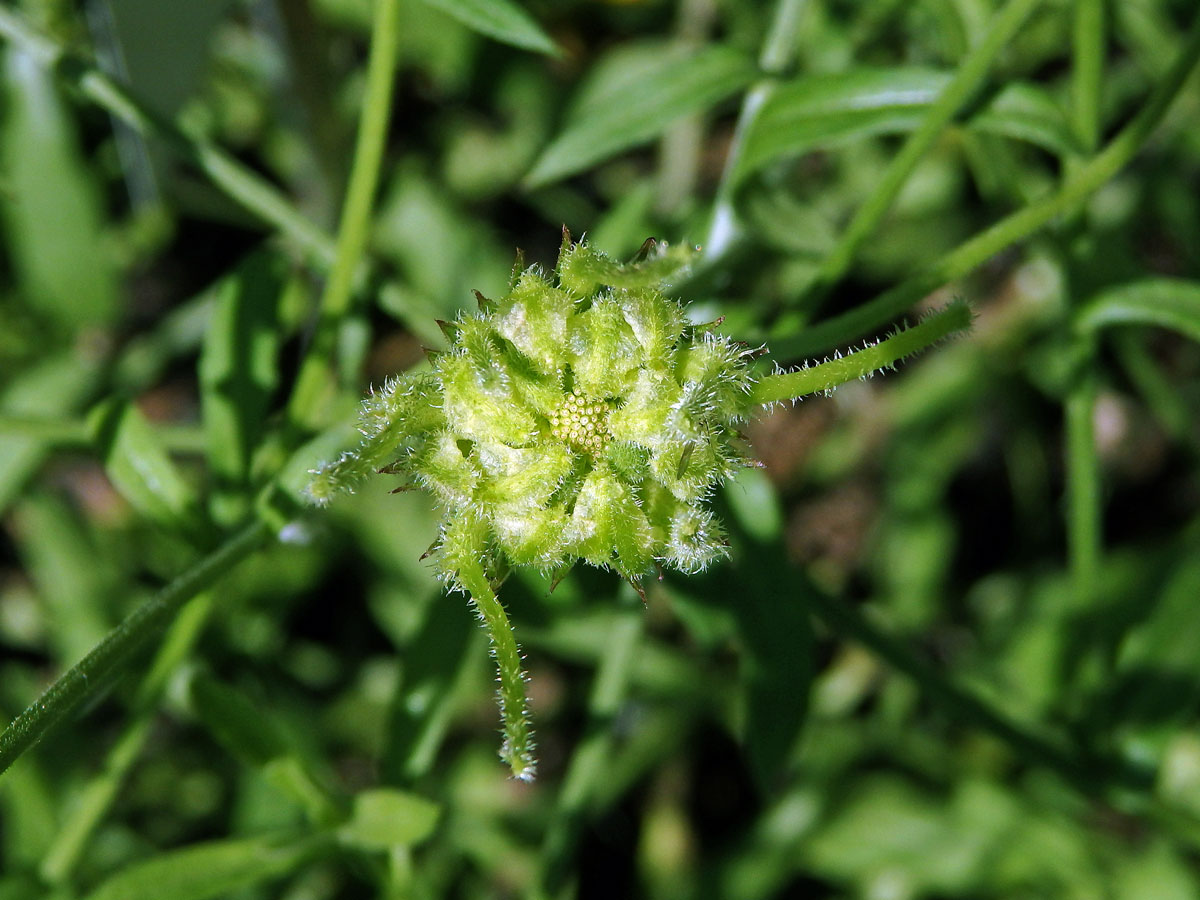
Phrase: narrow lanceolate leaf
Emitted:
{"points": [[214, 869], [239, 367], [828, 110], [1165, 302], [632, 97], [1027, 113], [825, 110], [502, 20], [138, 465]]}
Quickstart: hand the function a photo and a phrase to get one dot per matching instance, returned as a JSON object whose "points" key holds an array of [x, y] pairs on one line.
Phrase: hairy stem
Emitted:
{"points": [[517, 749], [316, 374], [1018, 226], [861, 363], [87, 678]]}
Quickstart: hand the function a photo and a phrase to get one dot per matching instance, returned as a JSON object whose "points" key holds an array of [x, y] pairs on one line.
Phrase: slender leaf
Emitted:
{"points": [[1165, 302], [503, 20], [825, 110], [52, 209], [1028, 113], [828, 110], [633, 96], [213, 869], [139, 467]]}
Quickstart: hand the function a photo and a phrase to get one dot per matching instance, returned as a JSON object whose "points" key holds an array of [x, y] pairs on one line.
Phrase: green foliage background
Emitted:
{"points": [[955, 651]]}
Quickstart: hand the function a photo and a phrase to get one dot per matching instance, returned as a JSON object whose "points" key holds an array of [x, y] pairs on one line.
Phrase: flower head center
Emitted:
{"points": [[582, 423]]}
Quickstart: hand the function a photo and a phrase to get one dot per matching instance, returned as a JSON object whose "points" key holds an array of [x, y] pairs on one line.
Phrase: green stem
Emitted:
{"points": [[970, 74], [861, 363], [778, 50], [958, 262], [250, 190], [316, 372], [1087, 70], [87, 677], [517, 749], [1084, 532]]}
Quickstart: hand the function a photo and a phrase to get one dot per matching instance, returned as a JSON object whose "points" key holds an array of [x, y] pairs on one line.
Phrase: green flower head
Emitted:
{"points": [[580, 417]]}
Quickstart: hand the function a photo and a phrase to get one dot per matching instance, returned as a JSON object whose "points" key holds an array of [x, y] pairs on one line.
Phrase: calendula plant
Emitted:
{"points": [[582, 417]]}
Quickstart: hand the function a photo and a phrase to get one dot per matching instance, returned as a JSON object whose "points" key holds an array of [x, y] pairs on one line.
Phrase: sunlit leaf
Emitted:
{"points": [[503, 20], [52, 205], [1164, 302], [139, 467], [826, 110], [386, 818], [632, 97]]}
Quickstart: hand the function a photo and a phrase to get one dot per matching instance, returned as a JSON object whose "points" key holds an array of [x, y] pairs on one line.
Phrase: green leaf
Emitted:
{"points": [[212, 869], [385, 818], [1027, 113], [239, 368], [632, 96], [54, 387], [1165, 302], [503, 20], [139, 467], [825, 110], [52, 205]]}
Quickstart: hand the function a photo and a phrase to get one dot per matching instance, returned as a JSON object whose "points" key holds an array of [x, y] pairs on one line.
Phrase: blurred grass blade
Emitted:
{"points": [[826, 110], [138, 465], [633, 96], [53, 208], [1165, 302], [239, 368], [503, 20], [1028, 113], [385, 818], [214, 869]]}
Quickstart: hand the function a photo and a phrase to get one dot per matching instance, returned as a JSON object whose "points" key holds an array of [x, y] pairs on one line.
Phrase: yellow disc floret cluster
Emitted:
{"points": [[582, 423]]}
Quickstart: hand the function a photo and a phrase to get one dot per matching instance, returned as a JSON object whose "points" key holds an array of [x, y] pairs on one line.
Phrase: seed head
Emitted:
{"points": [[580, 417]]}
